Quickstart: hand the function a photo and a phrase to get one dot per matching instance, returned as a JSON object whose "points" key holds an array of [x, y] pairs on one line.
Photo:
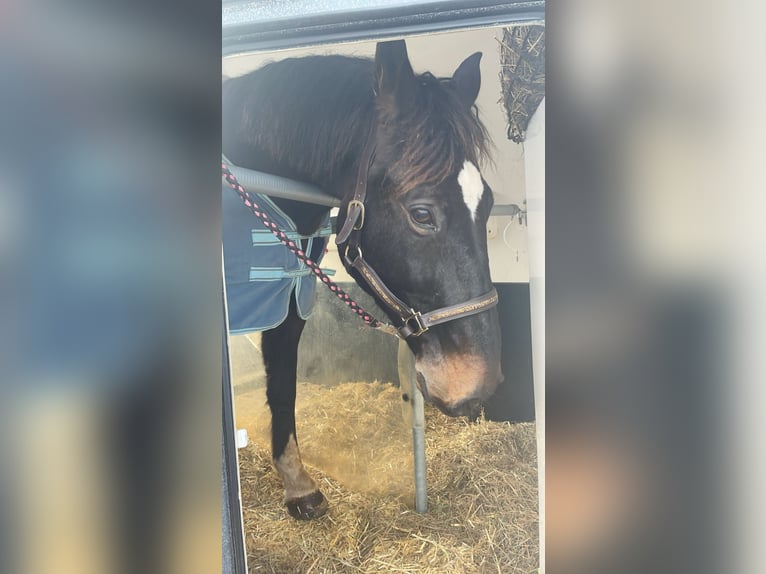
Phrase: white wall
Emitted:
{"points": [[534, 157], [441, 54]]}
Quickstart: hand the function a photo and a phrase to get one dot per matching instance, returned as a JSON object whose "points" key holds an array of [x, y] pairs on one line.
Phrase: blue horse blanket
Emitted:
{"points": [[260, 273]]}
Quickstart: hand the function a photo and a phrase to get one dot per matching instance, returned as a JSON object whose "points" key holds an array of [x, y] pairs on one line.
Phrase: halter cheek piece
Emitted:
{"points": [[411, 323]]}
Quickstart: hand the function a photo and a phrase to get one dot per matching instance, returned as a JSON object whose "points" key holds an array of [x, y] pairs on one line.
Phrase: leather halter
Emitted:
{"points": [[412, 323]]}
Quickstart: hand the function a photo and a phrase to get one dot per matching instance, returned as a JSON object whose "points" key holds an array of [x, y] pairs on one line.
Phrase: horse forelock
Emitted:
{"points": [[434, 137]]}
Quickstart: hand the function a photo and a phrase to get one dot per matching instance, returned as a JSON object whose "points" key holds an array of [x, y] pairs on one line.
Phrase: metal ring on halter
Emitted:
{"points": [[414, 323], [345, 254]]}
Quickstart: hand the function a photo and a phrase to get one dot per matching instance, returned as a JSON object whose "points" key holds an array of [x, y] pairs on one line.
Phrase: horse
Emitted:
{"points": [[401, 151]]}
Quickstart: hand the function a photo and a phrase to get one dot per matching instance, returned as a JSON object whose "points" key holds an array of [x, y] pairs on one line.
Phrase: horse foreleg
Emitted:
{"points": [[280, 355]]}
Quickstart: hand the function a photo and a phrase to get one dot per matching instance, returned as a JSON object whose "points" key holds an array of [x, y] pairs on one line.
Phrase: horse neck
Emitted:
{"points": [[337, 180], [307, 217]]}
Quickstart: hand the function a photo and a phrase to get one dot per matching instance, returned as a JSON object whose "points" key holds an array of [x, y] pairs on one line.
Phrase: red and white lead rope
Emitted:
{"points": [[296, 250]]}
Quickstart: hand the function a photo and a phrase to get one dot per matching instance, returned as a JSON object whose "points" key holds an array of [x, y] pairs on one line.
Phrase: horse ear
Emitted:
{"points": [[467, 79], [394, 77]]}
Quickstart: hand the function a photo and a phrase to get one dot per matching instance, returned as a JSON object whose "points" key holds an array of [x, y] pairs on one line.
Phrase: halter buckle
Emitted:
{"points": [[415, 324], [360, 223]]}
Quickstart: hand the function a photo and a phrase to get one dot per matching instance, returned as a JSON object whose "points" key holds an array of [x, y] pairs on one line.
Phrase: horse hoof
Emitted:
{"points": [[307, 507]]}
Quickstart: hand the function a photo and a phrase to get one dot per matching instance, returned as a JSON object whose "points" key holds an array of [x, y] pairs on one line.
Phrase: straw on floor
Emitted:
{"points": [[482, 482]]}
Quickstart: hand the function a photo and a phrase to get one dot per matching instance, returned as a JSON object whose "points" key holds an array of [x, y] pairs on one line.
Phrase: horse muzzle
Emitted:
{"points": [[458, 384]]}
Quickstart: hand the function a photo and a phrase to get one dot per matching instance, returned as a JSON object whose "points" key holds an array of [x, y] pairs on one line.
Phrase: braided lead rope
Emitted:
{"points": [[298, 252]]}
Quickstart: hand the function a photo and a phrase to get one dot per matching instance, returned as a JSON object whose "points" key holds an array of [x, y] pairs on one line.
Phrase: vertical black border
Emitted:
{"points": [[232, 507]]}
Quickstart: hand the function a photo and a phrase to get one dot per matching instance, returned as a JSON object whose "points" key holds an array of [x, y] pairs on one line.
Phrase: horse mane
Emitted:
{"points": [[305, 118], [309, 118]]}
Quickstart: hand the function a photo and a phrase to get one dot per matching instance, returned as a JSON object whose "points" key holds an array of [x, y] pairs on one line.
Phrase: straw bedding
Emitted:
{"points": [[482, 489]]}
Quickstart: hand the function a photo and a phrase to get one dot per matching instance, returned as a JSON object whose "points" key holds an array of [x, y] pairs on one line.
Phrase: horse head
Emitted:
{"points": [[425, 222]]}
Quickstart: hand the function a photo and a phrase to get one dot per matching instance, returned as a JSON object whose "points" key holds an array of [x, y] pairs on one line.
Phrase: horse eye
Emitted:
{"points": [[421, 216]]}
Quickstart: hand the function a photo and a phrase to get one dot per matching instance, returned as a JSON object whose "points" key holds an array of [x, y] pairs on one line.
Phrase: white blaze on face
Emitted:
{"points": [[470, 182]]}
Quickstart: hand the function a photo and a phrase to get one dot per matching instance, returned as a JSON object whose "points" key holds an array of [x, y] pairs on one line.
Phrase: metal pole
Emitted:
{"points": [[407, 381], [276, 186]]}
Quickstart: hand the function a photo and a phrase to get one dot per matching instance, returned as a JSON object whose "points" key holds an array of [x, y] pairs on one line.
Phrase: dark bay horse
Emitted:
{"points": [[415, 141]]}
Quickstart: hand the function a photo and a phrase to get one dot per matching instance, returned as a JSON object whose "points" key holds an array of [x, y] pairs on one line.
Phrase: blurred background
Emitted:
{"points": [[654, 252], [110, 306]]}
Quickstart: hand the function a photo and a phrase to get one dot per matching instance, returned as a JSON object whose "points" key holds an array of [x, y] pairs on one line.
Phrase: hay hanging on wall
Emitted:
{"points": [[522, 76]]}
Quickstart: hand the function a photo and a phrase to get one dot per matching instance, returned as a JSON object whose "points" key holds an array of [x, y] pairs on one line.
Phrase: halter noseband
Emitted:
{"points": [[412, 323]]}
